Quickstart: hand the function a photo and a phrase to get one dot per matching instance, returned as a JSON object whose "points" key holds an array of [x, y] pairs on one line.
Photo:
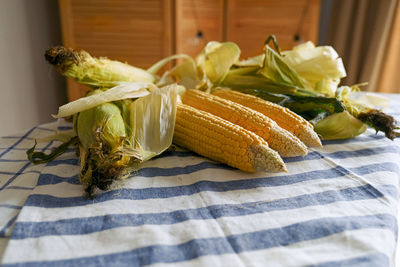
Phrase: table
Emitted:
{"points": [[336, 206]]}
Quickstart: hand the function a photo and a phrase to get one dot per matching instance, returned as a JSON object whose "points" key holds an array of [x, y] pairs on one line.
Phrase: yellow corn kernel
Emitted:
{"points": [[284, 142], [218, 139], [284, 117]]}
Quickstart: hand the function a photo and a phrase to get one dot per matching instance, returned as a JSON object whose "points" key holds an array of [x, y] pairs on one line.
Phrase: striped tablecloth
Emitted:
{"points": [[336, 206]]}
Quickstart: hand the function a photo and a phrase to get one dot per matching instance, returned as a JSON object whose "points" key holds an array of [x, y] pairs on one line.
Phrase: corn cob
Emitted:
{"points": [[223, 141], [284, 117], [285, 143]]}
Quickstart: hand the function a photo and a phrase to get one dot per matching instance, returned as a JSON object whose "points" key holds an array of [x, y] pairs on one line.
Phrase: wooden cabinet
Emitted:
{"points": [[132, 31], [143, 32]]}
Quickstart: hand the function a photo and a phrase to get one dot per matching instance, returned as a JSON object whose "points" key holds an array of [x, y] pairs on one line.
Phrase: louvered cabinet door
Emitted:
{"points": [[132, 31], [250, 22]]}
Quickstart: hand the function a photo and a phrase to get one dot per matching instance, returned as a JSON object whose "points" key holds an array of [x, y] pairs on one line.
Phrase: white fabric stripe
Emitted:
{"points": [[14, 197], [323, 163], [397, 254], [15, 155], [380, 178], [330, 248], [67, 170], [140, 182], [231, 260], [128, 238], [363, 161], [60, 190], [351, 146], [303, 253], [114, 240], [220, 175], [10, 167], [36, 214], [355, 145], [25, 180], [371, 159], [175, 161]]}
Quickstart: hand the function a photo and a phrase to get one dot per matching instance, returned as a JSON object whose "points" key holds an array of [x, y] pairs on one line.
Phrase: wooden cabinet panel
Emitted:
{"points": [[132, 31], [197, 22], [143, 32], [249, 23]]}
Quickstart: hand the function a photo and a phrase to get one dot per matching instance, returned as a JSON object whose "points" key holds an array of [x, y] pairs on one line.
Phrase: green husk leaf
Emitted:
{"points": [[216, 59], [187, 74], [339, 126], [277, 71], [254, 81], [307, 106], [301, 104], [272, 38], [41, 157]]}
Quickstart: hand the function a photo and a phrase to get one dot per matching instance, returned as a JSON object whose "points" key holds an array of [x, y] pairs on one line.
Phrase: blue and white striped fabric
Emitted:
{"points": [[336, 207]]}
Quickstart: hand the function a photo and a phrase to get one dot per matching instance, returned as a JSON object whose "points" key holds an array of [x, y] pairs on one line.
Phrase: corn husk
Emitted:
{"points": [[153, 120], [340, 126], [277, 71], [320, 66], [115, 137], [216, 59], [96, 72], [124, 90]]}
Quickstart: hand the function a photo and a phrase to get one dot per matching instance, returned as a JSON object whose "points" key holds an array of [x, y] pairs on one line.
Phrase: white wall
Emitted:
{"points": [[30, 89]]}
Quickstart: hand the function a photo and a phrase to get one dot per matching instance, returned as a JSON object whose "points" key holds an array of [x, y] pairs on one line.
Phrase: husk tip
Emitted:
{"points": [[57, 55]]}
